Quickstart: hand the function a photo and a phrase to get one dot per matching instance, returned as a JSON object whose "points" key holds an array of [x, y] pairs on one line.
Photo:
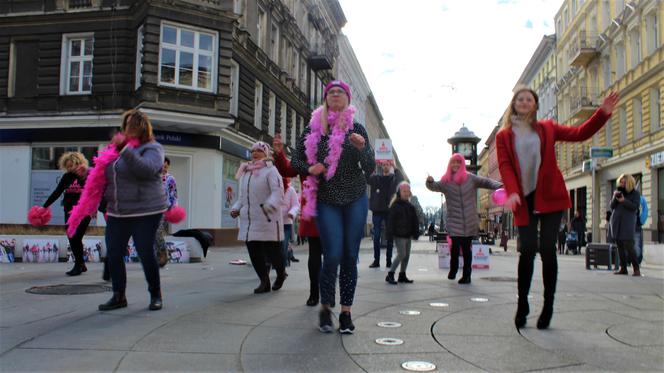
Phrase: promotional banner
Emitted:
{"points": [[40, 251], [480, 256], [92, 251], [230, 196], [383, 149], [178, 252], [7, 250]]}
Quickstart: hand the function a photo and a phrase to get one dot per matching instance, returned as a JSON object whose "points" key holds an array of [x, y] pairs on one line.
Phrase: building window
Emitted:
{"points": [[303, 75], [655, 112], [312, 89], [261, 26], [652, 30], [293, 128], [23, 68], [283, 112], [258, 105], [187, 58], [635, 47], [637, 117], [235, 87], [620, 60], [274, 43], [606, 72], [608, 127], [238, 8], [273, 114], [139, 58], [295, 66], [76, 66], [622, 114]]}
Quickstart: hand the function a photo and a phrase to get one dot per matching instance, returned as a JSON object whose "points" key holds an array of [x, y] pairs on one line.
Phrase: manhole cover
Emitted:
{"points": [[410, 312], [389, 341], [389, 324], [418, 366], [500, 279], [68, 289], [439, 304]]}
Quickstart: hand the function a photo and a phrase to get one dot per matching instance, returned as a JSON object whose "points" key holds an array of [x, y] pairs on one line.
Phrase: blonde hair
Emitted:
{"points": [[76, 159], [630, 183], [138, 119], [511, 109], [397, 193]]}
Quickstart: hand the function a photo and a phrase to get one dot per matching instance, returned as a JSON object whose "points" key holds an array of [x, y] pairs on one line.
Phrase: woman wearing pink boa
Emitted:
{"points": [[328, 153]]}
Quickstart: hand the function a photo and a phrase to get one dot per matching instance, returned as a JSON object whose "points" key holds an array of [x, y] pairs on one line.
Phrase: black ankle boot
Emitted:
{"points": [[404, 279], [155, 301], [118, 300], [279, 282], [545, 317], [388, 263], [390, 278], [263, 287], [375, 264], [522, 311], [313, 300], [77, 270]]}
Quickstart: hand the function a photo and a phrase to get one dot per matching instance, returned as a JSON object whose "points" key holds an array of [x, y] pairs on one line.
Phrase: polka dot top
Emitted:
{"points": [[350, 180]]}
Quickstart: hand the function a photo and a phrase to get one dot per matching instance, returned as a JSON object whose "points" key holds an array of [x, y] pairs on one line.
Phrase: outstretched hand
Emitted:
{"points": [[512, 201], [277, 144], [610, 102]]}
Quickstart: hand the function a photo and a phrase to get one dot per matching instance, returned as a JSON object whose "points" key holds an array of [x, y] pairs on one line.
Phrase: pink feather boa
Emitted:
{"points": [[341, 123], [94, 186]]}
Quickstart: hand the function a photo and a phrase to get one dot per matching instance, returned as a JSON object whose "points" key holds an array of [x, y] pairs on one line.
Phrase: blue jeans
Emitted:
{"points": [[341, 229], [377, 219], [638, 246], [143, 230], [288, 232]]}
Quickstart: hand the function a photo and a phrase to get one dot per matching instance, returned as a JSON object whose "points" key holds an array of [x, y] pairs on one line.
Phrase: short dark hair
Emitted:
{"points": [[167, 160]]}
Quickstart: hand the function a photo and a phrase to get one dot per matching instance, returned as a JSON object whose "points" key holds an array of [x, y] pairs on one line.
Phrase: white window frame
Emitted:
{"points": [[635, 46], [652, 31], [284, 130], [295, 63], [622, 117], [303, 75], [312, 89], [195, 51], [66, 59], [138, 73], [272, 103], [274, 42], [234, 88], [293, 128], [258, 105], [261, 28], [238, 8], [608, 132], [655, 109], [637, 117], [621, 63]]}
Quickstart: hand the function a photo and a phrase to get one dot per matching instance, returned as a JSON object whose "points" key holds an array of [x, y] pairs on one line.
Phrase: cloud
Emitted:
{"points": [[529, 24]]}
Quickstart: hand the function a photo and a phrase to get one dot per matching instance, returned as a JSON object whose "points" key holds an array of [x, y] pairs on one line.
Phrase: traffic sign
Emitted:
{"points": [[601, 152]]}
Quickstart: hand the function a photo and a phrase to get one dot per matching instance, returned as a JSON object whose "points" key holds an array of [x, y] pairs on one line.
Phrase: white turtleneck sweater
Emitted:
{"points": [[527, 146]]}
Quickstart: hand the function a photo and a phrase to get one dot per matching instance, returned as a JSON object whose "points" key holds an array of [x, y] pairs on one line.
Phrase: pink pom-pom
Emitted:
{"points": [[175, 215], [449, 240], [499, 196], [39, 216]]}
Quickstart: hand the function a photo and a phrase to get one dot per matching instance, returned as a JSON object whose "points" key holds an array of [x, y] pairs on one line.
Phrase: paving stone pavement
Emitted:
{"points": [[211, 321]]}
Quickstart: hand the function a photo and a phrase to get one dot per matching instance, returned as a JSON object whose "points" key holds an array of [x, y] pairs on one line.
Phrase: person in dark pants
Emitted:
{"points": [[134, 214], [536, 189], [403, 227], [624, 207], [579, 226], [71, 184], [562, 236], [382, 188]]}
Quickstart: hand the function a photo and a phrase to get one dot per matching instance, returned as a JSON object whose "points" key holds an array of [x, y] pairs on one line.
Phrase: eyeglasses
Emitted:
{"points": [[336, 92]]}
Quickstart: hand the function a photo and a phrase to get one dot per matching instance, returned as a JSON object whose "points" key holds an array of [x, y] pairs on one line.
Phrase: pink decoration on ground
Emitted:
{"points": [[341, 123], [499, 196], [175, 215], [39, 216], [94, 186]]}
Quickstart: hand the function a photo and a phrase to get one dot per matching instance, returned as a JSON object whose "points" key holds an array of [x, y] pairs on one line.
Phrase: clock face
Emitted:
{"points": [[466, 149]]}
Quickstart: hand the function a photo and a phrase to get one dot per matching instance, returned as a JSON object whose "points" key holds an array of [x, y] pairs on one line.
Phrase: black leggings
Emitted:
{"points": [[76, 242], [259, 251], [545, 244], [314, 264], [465, 243]]}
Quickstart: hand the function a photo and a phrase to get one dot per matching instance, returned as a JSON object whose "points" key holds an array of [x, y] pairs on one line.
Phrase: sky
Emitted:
{"points": [[434, 65]]}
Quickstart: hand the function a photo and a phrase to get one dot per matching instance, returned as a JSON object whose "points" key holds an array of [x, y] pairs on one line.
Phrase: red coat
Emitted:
{"points": [[551, 193], [307, 228]]}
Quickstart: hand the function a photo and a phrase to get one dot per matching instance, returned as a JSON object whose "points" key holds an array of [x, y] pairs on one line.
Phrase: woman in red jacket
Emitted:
{"points": [[536, 189], [307, 228]]}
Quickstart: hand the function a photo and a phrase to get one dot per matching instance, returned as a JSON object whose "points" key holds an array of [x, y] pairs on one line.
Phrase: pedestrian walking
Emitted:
{"points": [[579, 226], [335, 155], [624, 210], [562, 236], [402, 227], [290, 207], [135, 204], [71, 184], [171, 189], [536, 189], [462, 221], [431, 231], [503, 240], [259, 209], [382, 185], [638, 237], [307, 227]]}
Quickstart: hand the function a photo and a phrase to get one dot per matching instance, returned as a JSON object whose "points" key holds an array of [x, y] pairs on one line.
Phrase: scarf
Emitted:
{"points": [[249, 167], [340, 124], [94, 186]]}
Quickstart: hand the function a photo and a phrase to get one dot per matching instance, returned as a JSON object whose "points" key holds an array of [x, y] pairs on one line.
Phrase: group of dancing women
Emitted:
{"points": [[333, 159]]}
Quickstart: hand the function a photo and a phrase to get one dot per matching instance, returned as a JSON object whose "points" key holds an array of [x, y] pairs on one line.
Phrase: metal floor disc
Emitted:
{"points": [[410, 312], [439, 304], [480, 300], [389, 324], [418, 366], [389, 341]]}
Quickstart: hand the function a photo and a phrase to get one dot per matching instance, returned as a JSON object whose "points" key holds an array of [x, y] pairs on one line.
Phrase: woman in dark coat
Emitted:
{"points": [[624, 207]]}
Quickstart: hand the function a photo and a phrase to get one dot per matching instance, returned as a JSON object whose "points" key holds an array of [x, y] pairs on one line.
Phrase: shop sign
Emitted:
{"points": [[657, 159]]}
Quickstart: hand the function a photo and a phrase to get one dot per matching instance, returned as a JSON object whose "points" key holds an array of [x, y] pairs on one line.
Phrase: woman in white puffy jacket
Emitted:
{"points": [[290, 208], [259, 209]]}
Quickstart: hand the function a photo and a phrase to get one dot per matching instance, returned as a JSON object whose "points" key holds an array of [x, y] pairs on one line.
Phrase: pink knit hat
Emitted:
{"points": [[337, 83], [262, 146]]}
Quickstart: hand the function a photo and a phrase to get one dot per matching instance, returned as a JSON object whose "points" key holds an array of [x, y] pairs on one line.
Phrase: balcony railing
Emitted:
{"points": [[583, 49], [76, 4], [583, 105]]}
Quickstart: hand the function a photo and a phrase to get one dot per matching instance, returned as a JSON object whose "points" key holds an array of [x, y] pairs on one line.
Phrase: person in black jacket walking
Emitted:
{"points": [[401, 227], [71, 184], [624, 207], [382, 188]]}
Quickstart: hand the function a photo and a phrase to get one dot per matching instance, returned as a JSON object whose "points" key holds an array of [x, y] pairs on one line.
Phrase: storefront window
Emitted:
{"points": [[660, 205], [230, 191]]}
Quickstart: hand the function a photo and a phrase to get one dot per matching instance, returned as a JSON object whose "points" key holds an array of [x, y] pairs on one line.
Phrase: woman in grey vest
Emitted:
{"points": [[460, 190]]}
